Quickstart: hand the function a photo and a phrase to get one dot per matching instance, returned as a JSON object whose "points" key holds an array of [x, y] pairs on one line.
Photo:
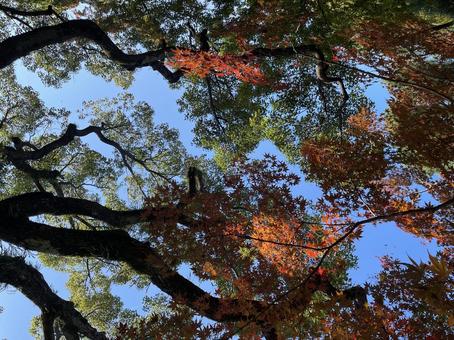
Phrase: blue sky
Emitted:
{"points": [[150, 87]]}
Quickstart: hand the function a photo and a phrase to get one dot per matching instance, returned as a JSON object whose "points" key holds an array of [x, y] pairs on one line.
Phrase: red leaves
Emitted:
{"points": [[201, 64], [254, 237]]}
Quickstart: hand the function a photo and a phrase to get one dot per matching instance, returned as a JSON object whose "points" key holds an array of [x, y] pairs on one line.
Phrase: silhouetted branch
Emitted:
{"points": [[30, 282]]}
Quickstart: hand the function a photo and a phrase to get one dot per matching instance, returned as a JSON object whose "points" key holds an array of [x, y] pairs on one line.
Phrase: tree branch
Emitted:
{"points": [[15, 11], [353, 227], [23, 44], [307, 50], [38, 203], [30, 282], [117, 245], [68, 137]]}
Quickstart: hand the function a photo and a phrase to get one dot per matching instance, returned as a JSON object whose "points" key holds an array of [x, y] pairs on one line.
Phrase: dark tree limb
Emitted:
{"points": [[13, 13], [20, 157], [30, 282], [11, 153], [23, 44], [22, 13], [442, 26], [47, 320], [117, 245], [306, 50], [195, 181], [38, 203], [71, 132], [419, 86]]}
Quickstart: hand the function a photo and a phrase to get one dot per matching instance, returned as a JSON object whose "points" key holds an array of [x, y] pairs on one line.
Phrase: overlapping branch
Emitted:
{"points": [[38, 203], [354, 226], [306, 50], [117, 245], [19, 155]]}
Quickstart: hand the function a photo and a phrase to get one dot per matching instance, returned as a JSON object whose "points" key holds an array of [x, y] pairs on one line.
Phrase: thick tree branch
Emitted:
{"points": [[38, 203], [30, 282], [117, 245], [23, 44], [15, 11]]}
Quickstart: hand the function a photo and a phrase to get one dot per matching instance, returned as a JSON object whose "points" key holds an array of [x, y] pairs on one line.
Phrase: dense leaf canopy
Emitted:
{"points": [[111, 197]]}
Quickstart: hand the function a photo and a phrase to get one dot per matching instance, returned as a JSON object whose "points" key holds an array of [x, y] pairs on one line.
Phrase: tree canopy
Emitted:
{"points": [[113, 198]]}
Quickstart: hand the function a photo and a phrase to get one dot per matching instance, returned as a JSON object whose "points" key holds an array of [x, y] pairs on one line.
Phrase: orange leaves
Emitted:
{"points": [[286, 259], [289, 244], [363, 122], [353, 161], [423, 130], [201, 64], [418, 57], [209, 269]]}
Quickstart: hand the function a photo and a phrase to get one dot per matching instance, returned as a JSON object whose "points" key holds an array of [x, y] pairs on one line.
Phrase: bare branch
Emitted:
{"points": [[20, 155]]}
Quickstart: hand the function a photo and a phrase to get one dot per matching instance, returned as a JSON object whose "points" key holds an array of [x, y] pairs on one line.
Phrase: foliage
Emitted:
{"points": [[276, 262]]}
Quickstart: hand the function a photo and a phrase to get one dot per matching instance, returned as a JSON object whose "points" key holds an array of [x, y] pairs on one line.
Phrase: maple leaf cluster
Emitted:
{"points": [[203, 63]]}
